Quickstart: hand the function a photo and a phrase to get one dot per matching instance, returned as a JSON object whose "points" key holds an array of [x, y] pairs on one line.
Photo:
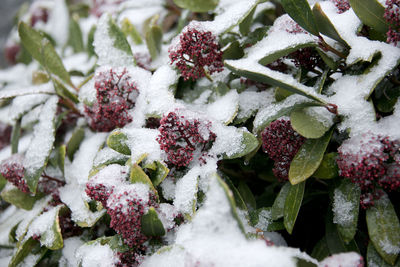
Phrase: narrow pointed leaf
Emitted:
{"points": [[278, 207], [244, 26], [328, 168], [151, 224], [129, 30], [15, 135], [74, 142], [249, 144], [247, 196], [75, 35], [24, 250], [324, 24], [118, 36], [139, 176], [335, 241], [238, 198], [52, 238], [159, 173], [384, 229], [370, 13], [117, 141], [13, 195], [197, 5], [153, 38], [308, 158], [345, 209], [292, 205], [300, 12], [374, 259]]}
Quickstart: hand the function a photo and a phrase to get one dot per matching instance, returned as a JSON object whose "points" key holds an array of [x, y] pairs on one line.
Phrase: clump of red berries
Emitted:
{"points": [[11, 52], [39, 14], [197, 54], [13, 170], [116, 95], [281, 143], [372, 162], [307, 58], [99, 192], [126, 210], [181, 138], [392, 16], [341, 5], [131, 257]]}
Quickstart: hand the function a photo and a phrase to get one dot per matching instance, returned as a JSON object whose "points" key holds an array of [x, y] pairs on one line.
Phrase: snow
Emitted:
{"points": [[96, 255], [46, 88], [349, 259], [264, 219], [143, 141], [251, 101], [213, 238], [23, 104], [43, 139], [106, 155], [42, 226], [342, 209], [388, 247], [186, 191], [225, 108], [68, 258]]}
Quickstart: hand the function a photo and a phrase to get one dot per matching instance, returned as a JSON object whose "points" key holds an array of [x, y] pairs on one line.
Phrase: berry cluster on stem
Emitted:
{"points": [[392, 16]]}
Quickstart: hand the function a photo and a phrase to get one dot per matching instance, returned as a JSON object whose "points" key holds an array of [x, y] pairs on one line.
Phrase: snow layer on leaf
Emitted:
{"points": [[228, 141], [388, 247], [186, 191], [68, 258], [251, 101], [143, 141], [349, 259], [22, 104], [79, 62], [43, 223], [168, 188], [213, 238], [224, 108], [43, 138], [8, 219], [107, 154], [104, 46], [111, 175], [264, 219], [96, 255], [46, 88], [342, 209], [167, 213]]}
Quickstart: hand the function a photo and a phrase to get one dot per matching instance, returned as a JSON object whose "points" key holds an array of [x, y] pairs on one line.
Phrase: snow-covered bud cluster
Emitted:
{"points": [[101, 6], [392, 16], [126, 210], [13, 170], [372, 162], [99, 192], [181, 138], [196, 54], [306, 58], [341, 5], [130, 258], [116, 95], [281, 143], [39, 14]]}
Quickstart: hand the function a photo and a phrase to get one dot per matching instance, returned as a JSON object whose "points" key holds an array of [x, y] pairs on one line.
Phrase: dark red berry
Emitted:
{"points": [[11, 52], [341, 5], [392, 16], [13, 170], [281, 143]]}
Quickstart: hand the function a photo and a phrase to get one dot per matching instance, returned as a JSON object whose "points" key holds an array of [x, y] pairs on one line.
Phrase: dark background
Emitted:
{"points": [[8, 9]]}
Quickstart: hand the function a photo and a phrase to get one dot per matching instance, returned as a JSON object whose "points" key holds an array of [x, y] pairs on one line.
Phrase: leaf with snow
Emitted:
{"points": [[248, 144], [41, 144], [14, 196], [111, 45], [311, 122], [292, 205], [384, 229], [46, 88]]}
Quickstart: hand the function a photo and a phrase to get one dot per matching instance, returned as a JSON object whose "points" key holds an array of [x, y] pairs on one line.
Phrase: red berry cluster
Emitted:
{"points": [[99, 192], [131, 258], [13, 170], [39, 14], [306, 58], [11, 52], [281, 143], [197, 53], [375, 165], [181, 138], [116, 95], [392, 16], [5, 135], [126, 212], [341, 5]]}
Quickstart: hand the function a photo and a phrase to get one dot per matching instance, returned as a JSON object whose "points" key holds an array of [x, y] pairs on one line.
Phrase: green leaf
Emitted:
{"points": [[159, 174], [300, 11], [247, 196], [63, 92], [292, 205], [370, 12], [244, 26], [346, 200], [15, 135], [153, 38], [328, 168], [197, 5], [129, 30], [238, 198], [307, 125], [118, 37], [41, 144], [329, 61], [233, 51], [3, 182], [374, 259], [74, 142], [13, 195], [308, 158], [253, 73], [284, 51], [320, 250], [43, 51], [24, 250], [75, 39], [249, 143], [61, 152], [117, 141], [139, 176], [151, 224], [324, 24], [335, 241], [231, 200], [261, 122], [54, 233], [277, 210], [90, 39], [384, 229]]}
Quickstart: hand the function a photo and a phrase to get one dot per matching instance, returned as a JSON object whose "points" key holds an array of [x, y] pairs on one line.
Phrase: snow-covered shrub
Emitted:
{"points": [[201, 133]]}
